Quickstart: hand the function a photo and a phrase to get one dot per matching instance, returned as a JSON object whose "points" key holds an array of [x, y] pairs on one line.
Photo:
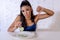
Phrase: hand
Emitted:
{"points": [[39, 9], [18, 24]]}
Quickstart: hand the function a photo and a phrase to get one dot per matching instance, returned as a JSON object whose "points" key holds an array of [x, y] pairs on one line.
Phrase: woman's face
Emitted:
{"points": [[26, 10]]}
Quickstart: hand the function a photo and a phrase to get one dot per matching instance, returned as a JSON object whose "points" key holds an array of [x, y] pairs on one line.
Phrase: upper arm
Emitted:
{"points": [[17, 19], [12, 25], [41, 16]]}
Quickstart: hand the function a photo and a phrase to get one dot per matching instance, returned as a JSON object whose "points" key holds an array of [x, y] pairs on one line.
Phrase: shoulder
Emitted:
{"points": [[36, 18], [18, 17], [18, 14], [36, 15]]}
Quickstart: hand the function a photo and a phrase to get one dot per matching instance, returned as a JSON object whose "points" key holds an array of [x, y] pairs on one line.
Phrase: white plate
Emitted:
{"points": [[23, 34]]}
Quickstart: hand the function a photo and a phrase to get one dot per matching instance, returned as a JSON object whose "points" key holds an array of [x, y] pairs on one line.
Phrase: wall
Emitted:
{"points": [[9, 9]]}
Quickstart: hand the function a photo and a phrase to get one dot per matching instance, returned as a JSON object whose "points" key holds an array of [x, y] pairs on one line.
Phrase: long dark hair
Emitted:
{"points": [[25, 3]]}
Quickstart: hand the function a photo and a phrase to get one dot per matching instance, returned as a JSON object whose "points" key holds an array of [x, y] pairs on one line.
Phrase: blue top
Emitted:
{"points": [[30, 28]]}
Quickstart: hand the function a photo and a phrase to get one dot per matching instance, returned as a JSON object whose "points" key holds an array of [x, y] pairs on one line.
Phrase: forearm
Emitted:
{"points": [[49, 12], [12, 29]]}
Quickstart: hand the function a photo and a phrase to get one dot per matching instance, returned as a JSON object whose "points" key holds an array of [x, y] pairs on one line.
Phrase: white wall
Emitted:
{"points": [[9, 9]]}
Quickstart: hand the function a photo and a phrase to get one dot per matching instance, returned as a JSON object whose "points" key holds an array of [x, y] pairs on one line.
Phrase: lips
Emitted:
{"points": [[27, 14]]}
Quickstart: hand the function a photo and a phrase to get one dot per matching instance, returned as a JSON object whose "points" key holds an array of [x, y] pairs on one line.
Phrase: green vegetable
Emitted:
{"points": [[21, 28]]}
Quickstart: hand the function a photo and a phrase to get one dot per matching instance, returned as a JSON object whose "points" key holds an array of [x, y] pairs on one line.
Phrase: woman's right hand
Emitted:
{"points": [[18, 24]]}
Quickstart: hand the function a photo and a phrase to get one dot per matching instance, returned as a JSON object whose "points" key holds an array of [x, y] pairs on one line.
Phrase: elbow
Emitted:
{"points": [[52, 13], [9, 30]]}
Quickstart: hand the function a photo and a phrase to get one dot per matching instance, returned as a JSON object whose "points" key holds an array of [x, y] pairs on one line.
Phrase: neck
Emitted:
{"points": [[27, 17]]}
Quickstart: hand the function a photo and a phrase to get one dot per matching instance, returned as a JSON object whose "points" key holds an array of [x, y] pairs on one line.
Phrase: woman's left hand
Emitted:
{"points": [[39, 9]]}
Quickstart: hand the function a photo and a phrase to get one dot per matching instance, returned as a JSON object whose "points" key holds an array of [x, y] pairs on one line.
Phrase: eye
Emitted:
{"points": [[22, 10], [27, 9]]}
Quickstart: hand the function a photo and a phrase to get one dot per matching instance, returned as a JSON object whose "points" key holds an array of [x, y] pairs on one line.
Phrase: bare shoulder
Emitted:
{"points": [[36, 17], [18, 18]]}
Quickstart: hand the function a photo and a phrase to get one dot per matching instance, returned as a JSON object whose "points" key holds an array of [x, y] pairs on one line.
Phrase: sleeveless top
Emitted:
{"points": [[30, 28]]}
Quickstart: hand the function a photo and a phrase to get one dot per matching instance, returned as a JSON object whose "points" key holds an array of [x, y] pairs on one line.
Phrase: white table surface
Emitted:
{"points": [[41, 35]]}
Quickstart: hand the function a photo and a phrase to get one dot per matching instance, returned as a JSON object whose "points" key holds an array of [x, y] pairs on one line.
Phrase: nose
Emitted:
{"points": [[26, 12]]}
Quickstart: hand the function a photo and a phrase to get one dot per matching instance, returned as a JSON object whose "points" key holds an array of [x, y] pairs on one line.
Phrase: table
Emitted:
{"points": [[41, 35]]}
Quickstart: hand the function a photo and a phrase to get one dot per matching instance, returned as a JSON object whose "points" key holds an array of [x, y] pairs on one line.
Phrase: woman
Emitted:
{"points": [[26, 19]]}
